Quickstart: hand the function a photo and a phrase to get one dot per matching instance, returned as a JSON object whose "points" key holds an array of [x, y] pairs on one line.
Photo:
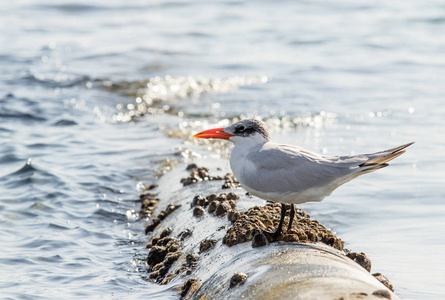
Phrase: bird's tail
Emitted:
{"points": [[379, 160], [374, 162]]}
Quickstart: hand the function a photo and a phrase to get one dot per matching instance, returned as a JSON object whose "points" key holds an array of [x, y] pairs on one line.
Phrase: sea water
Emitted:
{"points": [[97, 97]]}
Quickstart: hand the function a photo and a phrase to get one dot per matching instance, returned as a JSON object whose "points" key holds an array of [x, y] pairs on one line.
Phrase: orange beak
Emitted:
{"points": [[216, 133]]}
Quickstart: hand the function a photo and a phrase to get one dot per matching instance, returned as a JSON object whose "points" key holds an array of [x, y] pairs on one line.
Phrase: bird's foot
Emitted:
{"points": [[274, 234], [277, 231]]}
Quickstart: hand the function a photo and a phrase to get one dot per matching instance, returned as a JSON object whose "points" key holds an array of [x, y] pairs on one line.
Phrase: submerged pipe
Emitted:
{"points": [[208, 240]]}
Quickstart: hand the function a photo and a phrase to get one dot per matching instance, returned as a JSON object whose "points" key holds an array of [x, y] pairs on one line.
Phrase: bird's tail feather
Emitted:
{"points": [[381, 158], [396, 149]]}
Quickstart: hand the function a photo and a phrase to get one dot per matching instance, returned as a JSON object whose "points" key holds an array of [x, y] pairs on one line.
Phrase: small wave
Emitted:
{"points": [[108, 55], [166, 88], [22, 116], [173, 4], [9, 158], [199, 34], [21, 109], [65, 122], [71, 7], [108, 215], [16, 215], [26, 169], [433, 20], [17, 261], [2, 129], [152, 94], [28, 174], [47, 244], [53, 226], [301, 42], [44, 145], [112, 190], [59, 80], [39, 206], [76, 8]]}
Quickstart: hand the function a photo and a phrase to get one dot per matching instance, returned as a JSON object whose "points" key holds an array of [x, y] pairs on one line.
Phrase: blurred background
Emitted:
{"points": [[97, 97]]}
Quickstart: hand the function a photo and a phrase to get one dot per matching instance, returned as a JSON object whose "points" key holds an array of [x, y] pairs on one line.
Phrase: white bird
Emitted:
{"points": [[290, 174]]}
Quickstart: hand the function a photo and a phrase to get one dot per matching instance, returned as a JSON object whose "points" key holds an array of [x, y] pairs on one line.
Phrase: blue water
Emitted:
{"points": [[337, 78]]}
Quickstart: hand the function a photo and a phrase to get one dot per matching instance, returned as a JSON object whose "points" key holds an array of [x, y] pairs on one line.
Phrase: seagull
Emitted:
{"points": [[287, 173]]}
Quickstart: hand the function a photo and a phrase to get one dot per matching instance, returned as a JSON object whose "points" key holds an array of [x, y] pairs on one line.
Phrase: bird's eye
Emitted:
{"points": [[240, 128]]}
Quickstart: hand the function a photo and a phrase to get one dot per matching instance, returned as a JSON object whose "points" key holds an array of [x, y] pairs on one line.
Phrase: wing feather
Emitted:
{"points": [[285, 169], [279, 168]]}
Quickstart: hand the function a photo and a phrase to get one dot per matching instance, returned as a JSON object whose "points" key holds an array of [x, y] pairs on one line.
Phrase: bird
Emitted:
{"points": [[290, 174]]}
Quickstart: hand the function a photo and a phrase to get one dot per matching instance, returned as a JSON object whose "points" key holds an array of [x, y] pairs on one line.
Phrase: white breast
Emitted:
{"points": [[242, 167]]}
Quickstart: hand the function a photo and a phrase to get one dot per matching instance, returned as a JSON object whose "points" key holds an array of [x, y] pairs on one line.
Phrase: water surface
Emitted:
{"points": [[97, 96]]}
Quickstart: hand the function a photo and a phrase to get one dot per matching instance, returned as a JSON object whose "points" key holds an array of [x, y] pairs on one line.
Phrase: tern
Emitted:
{"points": [[290, 174]]}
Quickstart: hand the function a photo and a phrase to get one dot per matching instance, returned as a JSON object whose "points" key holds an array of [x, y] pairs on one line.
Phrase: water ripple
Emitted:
{"points": [[154, 96], [85, 88], [71, 7], [103, 214], [20, 116], [9, 158], [57, 80], [28, 174], [65, 122], [26, 169], [43, 244]]}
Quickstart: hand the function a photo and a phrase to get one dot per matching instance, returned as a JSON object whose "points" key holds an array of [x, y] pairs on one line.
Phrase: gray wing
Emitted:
{"points": [[283, 168]]}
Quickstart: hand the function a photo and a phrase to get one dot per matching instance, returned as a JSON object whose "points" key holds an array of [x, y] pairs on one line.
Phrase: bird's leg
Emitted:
{"points": [[277, 232], [283, 214], [291, 217]]}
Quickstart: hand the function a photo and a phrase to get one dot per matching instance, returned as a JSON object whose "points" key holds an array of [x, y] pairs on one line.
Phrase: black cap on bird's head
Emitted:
{"points": [[248, 127], [244, 128]]}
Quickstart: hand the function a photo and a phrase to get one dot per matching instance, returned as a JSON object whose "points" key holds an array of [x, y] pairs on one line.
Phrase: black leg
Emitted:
{"points": [[291, 217], [277, 232]]}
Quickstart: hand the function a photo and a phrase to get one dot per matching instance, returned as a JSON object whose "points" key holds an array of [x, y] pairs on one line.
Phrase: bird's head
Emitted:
{"points": [[248, 131]]}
